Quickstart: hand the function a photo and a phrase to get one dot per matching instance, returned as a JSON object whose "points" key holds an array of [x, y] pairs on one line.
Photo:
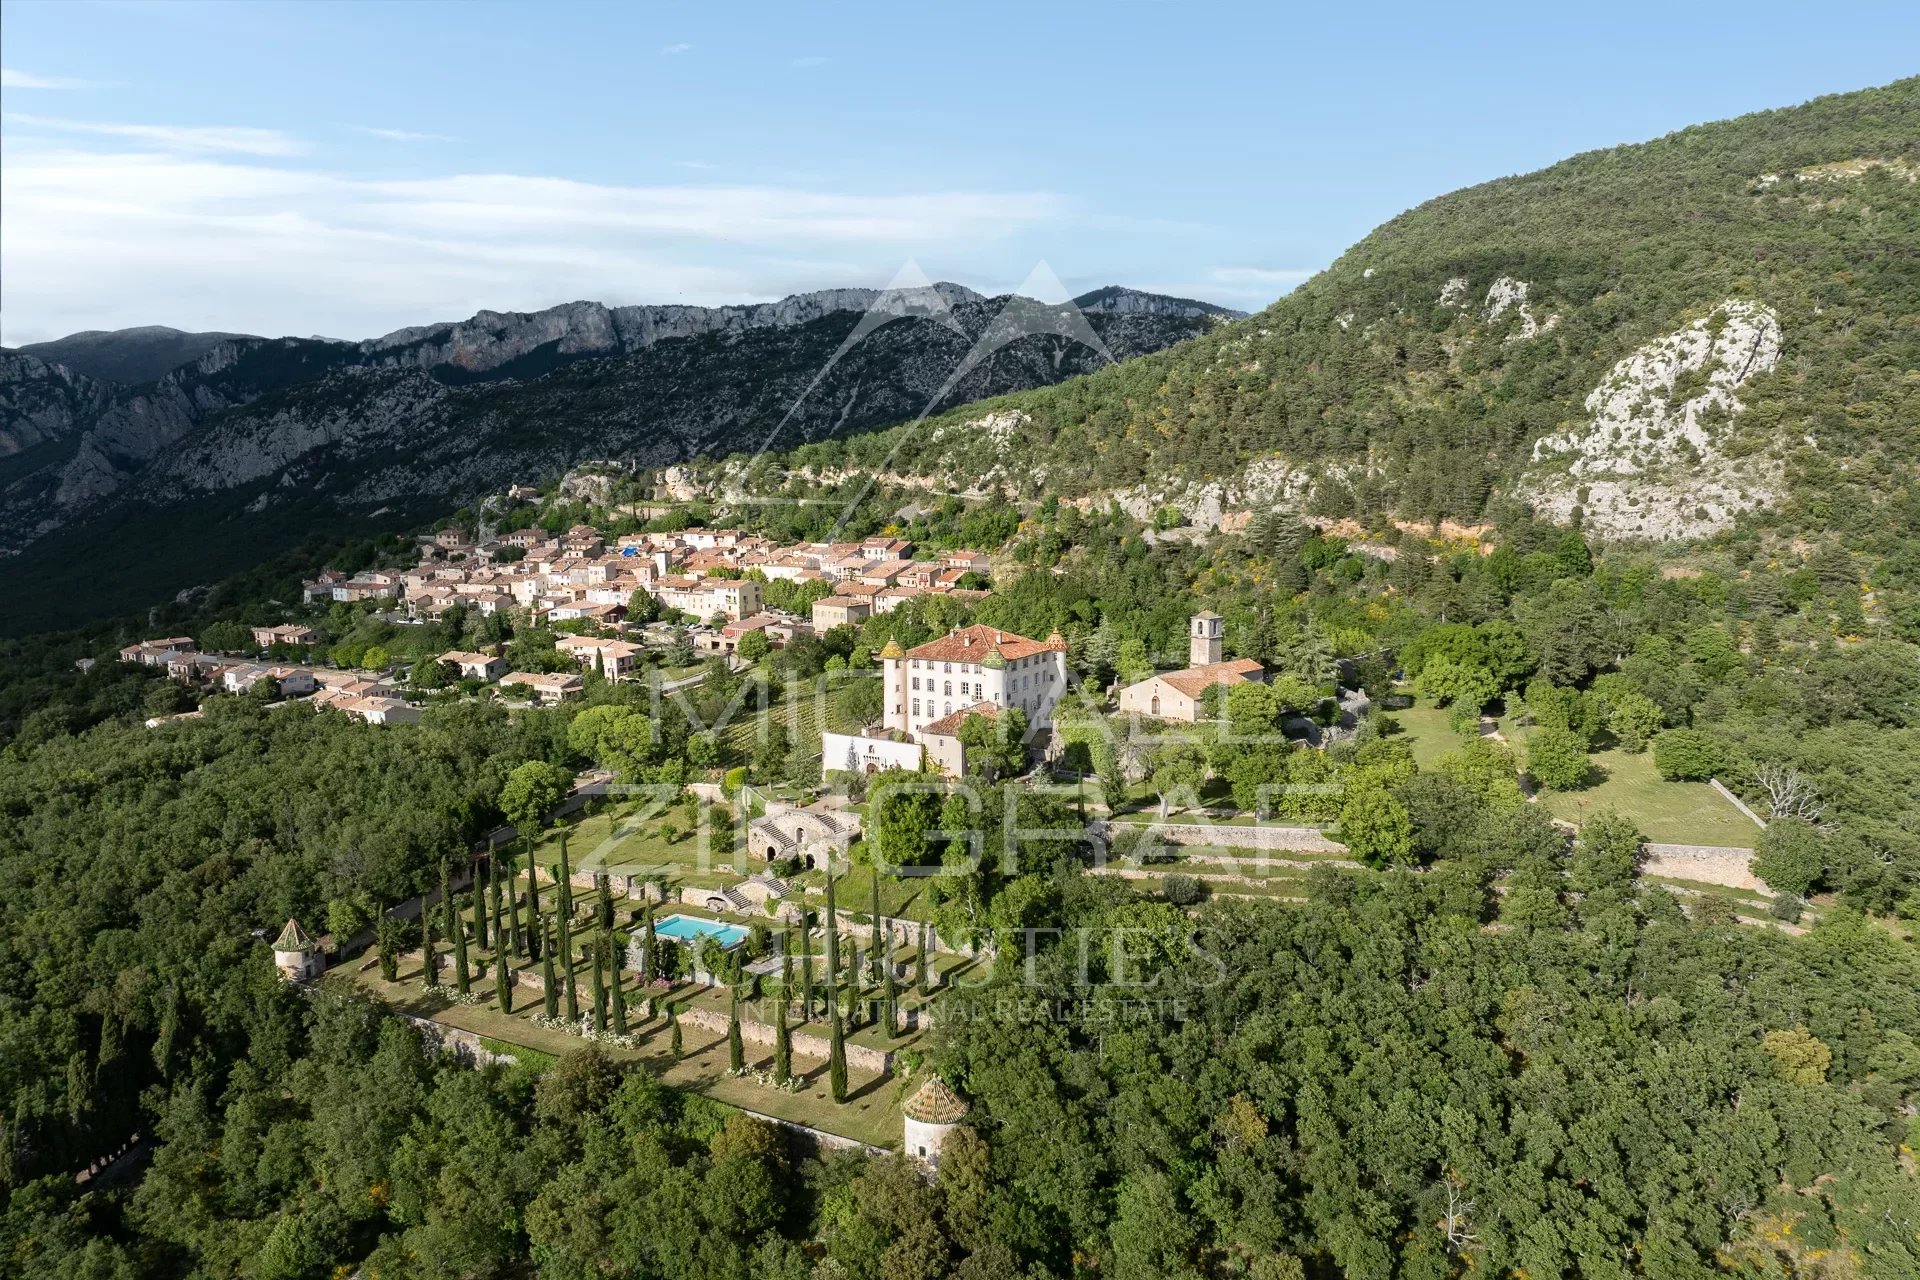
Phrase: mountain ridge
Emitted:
{"points": [[258, 432]]}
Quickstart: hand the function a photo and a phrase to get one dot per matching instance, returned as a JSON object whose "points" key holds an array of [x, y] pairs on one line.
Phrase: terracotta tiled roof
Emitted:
{"points": [[935, 1103], [947, 726], [1195, 681], [973, 644]]}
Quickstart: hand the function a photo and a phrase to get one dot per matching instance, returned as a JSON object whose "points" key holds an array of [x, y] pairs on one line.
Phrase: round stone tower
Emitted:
{"points": [[296, 955], [931, 1114]]}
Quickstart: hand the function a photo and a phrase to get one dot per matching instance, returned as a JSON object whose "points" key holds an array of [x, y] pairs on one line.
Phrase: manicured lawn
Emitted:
{"points": [[1666, 812], [1425, 729], [631, 837]]}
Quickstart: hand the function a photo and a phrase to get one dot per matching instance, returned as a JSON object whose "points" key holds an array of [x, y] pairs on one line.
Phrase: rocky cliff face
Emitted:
{"points": [[493, 339], [42, 403]]}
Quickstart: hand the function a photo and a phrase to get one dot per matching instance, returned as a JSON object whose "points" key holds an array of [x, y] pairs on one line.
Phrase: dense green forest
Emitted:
{"points": [[1497, 1035]]}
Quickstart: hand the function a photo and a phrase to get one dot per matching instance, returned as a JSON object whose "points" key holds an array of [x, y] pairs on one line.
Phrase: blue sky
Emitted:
{"points": [[346, 169]]}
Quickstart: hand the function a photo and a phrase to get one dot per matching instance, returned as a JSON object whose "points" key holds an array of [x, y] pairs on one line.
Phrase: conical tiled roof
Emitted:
{"points": [[892, 650], [293, 938], [935, 1103]]}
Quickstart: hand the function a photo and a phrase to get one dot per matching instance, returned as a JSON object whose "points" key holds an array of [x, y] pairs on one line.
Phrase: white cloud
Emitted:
{"points": [[10, 78], [230, 138], [696, 164], [400, 135], [109, 238], [673, 49]]}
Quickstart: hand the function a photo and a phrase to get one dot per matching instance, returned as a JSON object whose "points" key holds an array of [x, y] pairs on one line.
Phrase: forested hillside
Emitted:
{"points": [[1417, 373]]}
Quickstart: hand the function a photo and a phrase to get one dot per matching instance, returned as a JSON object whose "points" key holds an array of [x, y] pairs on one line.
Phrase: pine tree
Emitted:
{"points": [[782, 1044], [736, 1052], [833, 935], [564, 882], [920, 964], [546, 974], [837, 1051], [536, 932], [673, 1028], [599, 992], [618, 987]]}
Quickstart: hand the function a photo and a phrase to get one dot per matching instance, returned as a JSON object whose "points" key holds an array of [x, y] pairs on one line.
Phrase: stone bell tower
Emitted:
{"points": [[1204, 639]]}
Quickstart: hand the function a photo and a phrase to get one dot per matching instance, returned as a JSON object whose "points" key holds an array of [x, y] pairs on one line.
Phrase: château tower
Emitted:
{"points": [[1204, 640]]}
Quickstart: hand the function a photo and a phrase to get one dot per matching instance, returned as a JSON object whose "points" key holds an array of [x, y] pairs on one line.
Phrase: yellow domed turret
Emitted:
{"points": [[893, 650]]}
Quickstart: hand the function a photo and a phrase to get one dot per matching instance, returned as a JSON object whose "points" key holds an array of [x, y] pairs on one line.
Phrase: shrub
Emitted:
{"points": [[1184, 890]]}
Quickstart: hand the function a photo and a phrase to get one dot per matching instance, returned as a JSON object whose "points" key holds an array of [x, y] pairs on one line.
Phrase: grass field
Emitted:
{"points": [[1426, 730], [1666, 812]]}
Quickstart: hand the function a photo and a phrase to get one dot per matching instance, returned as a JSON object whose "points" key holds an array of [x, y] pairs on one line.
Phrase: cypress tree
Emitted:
{"points": [[736, 1052], [605, 890], [429, 957], [564, 882], [599, 992], [782, 1044], [806, 978], [880, 947], [920, 964], [890, 999], [837, 1051], [546, 974], [673, 1026], [462, 975], [536, 927], [619, 991], [385, 941], [502, 979], [510, 902], [494, 895], [833, 935], [652, 943], [786, 968], [479, 903]]}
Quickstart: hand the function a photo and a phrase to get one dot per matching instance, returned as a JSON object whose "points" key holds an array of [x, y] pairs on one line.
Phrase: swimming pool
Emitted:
{"points": [[693, 928]]}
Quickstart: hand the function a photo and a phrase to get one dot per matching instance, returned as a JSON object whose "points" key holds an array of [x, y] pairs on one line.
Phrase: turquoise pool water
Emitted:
{"points": [[691, 928]]}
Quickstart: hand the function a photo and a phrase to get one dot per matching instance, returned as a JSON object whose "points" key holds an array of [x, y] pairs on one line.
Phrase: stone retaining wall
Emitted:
{"points": [[1707, 863], [1271, 837], [464, 1045], [806, 1043]]}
